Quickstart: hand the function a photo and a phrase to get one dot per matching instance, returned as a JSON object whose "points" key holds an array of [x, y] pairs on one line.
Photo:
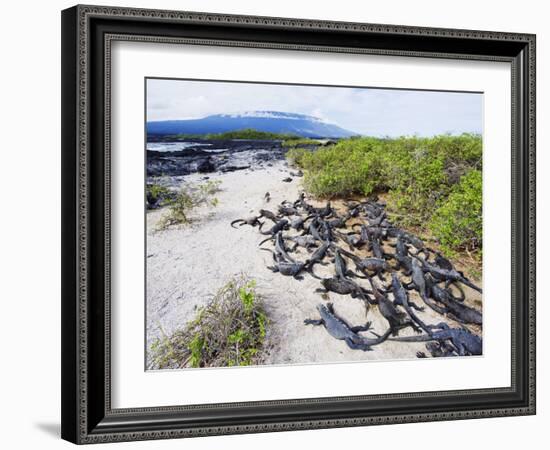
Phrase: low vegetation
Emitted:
{"points": [[299, 142], [458, 222], [250, 133], [288, 139], [429, 183], [229, 331], [158, 195], [183, 201]]}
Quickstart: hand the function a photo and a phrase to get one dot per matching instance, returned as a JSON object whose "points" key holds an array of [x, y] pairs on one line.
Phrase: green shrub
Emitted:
{"points": [[418, 174], [296, 142], [158, 195], [250, 133], [229, 331], [296, 156], [186, 199], [458, 222]]}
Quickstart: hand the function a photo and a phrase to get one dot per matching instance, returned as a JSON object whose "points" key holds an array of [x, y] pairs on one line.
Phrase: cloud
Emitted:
{"points": [[377, 112]]}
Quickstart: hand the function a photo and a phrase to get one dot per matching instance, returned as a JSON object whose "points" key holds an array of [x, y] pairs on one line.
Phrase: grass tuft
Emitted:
{"points": [[419, 175], [188, 197], [229, 331]]}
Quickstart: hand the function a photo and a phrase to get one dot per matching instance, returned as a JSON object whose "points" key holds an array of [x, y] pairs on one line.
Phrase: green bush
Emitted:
{"points": [[250, 133], [458, 222], [158, 195], [186, 199], [418, 174], [296, 142], [229, 331]]}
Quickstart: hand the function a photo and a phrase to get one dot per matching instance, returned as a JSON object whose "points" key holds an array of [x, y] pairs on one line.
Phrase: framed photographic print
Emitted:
{"points": [[282, 224]]}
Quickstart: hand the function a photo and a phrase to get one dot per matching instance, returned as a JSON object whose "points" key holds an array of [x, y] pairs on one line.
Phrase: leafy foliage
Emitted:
{"points": [[229, 331], [186, 199], [297, 142], [250, 133], [418, 174], [458, 221], [158, 195]]}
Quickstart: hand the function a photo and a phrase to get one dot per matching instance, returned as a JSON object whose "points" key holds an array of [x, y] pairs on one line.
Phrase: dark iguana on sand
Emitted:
{"points": [[252, 221], [465, 343], [366, 265], [344, 286], [340, 330], [455, 309], [268, 215], [280, 248], [305, 241], [418, 281], [448, 275], [317, 258], [438, 350], [287, 268], [401, 298], [396, 319], [279, 226]]}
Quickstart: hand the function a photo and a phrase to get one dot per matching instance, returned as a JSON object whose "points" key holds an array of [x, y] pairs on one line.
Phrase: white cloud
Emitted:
{"points": [[379, 112]]}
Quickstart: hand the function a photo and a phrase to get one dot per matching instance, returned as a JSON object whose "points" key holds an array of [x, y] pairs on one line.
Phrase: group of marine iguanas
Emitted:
{"points": [[327, 237]]}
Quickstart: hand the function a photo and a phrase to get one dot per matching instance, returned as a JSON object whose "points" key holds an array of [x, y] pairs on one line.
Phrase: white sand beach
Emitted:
{"points": [[187, 264]]}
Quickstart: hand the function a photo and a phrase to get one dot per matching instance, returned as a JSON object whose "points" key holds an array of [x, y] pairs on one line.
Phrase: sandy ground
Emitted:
{"points": [[187, 264]]}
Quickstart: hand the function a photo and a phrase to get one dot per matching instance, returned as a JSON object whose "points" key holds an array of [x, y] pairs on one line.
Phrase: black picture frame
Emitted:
{"points": [[87, 32]]}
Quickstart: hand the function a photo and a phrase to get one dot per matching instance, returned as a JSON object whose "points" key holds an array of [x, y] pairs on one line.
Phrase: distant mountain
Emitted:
{"points": [[269, 121]]}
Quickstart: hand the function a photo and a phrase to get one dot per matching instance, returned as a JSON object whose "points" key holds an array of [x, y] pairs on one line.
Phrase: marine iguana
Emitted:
{"points": [[415, 241], [287, 268], [404, 261], [317, 258], [280, 248], [287, 210], [377, 221], [340, 330], [338, 222], [372, 209], [438, 350], [344, 286], [401, 298], [279, 226], [376, 248], [448, 275], [465, 343], [340, 266], [396, 319], [417, 280], [353, 211], [301, 202], [325, 230], [369, 234], [325, 211], [313, 230], [444, 263], [252, 221], [457, 310], [298, 223], [305, 241], [268, 215], [365, 265], [352, 239]]}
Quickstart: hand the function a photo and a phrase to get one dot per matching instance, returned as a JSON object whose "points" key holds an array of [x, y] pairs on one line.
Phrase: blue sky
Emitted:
{"points": [[367, 111]]}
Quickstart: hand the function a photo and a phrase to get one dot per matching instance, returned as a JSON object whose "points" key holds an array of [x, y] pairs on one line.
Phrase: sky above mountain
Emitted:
{"points": [[367, 111]]}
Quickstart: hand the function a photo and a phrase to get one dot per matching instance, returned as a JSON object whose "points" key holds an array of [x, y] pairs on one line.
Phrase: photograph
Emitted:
{"points": [[302, 224]]}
